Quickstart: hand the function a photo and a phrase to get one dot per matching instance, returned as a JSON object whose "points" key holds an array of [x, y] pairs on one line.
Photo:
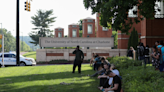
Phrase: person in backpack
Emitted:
{"points": [[162, 58], [97, 62], [147, 58], [142, 48], [138, 50], [161, 51]]}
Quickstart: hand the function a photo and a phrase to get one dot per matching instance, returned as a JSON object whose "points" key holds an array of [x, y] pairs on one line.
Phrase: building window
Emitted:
{"points": [[60, 29], [89, 20], [133, 12], [74, 33], [89, 29], [59, 34], [104, 28], [159, 5], [74, 26]]}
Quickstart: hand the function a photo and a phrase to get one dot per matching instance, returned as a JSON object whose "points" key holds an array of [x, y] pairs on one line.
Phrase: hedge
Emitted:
{"points": [[137, 78]]}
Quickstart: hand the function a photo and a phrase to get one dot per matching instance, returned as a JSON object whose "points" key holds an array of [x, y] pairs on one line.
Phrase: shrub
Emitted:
{"points": [[137, 78]]}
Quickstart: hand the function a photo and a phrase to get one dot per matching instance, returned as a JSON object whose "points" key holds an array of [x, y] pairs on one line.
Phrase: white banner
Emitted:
{"points": [[73, 42]]}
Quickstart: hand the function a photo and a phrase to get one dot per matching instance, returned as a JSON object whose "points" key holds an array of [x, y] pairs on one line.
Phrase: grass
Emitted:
{"points": [[47, 79], [30, 55]]}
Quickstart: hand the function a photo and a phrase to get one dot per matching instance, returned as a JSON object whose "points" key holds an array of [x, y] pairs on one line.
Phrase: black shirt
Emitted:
{"points": [[117, 80]]}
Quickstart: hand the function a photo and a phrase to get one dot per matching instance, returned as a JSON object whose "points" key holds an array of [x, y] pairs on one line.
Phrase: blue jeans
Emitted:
{"points": [[138, 57], [147, 59], [161, 67], [142, 57]]}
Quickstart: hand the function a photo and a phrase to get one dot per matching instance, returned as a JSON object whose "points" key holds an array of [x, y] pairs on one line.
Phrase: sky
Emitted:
{"points": [[66, 11]]}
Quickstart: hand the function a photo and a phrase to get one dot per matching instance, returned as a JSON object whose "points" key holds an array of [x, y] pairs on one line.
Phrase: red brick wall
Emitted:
{"points": [[57, 30], [152, 31], [70, 28], [54, 54], [100, 32], [85, 27], [70, 54], [123, 42]]}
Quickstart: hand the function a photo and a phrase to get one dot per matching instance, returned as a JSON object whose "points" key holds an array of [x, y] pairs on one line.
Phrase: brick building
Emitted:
{"points": [[149, 30], [73, 30], [59, 32], [102, 31], [89, 27]]}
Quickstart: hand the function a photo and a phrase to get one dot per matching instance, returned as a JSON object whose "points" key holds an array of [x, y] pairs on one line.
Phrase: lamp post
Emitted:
{"points": [[22, 41]]}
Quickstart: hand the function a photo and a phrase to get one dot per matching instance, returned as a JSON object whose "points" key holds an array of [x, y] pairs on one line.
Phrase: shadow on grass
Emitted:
{"points": [[74, 87], [7, 83], [49, 76]]}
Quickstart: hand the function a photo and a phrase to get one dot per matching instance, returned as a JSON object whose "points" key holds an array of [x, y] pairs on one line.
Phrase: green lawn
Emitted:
{"points": [[47, 79], [30, 55]]}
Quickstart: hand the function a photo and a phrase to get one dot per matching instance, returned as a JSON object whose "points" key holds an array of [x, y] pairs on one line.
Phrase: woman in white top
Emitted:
{"points": [[112, 68]]}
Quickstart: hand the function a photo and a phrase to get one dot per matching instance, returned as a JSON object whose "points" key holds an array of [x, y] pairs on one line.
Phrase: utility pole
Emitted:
{"points": [[17, 36], [22, 41]]}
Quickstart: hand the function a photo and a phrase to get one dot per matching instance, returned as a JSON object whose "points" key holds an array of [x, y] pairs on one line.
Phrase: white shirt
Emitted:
{"points": [[115, 71]]}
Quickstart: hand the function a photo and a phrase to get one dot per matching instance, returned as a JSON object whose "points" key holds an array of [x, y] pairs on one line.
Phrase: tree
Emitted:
{"points": [[41, 21], [114, 33], [80, 22], [10, 42], [133, 39], [80, 33], [118, 11]]}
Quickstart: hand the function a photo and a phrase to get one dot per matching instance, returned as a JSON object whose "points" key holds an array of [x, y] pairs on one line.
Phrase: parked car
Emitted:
{"points": [[10, 60]]}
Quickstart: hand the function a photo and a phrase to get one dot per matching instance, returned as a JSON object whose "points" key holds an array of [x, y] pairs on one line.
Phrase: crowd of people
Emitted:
{"points": [[144, 54], [110, 80]]}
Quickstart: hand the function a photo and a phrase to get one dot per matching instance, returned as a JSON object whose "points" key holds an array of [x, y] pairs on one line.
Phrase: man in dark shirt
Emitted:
{"points": [[79, 56], [116, 82]]}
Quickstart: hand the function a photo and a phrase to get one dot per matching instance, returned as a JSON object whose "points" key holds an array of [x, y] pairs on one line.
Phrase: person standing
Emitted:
{"points": [[161, 51], [138, 50], [142, 50], [147, 58], [155, 58], [130, 53], [79, 56]]}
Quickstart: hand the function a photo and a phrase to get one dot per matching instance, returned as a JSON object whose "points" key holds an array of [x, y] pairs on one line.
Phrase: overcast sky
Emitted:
{"points": [[66, 11]]}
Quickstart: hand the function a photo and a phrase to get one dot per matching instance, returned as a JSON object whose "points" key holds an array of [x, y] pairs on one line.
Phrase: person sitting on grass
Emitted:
{"points": [[92, 59], [102, 71], [114, 70], [116, 82], [97, 62], [103, 79]]}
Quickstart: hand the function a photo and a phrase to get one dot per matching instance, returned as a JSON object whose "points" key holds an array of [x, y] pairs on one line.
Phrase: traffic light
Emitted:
{"points": [[26, 5], [29, 6]]}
